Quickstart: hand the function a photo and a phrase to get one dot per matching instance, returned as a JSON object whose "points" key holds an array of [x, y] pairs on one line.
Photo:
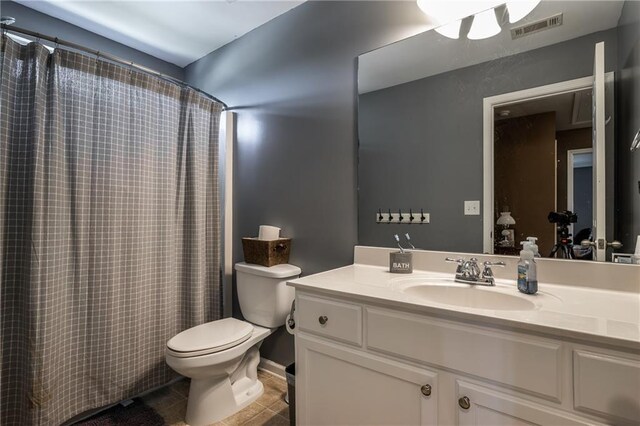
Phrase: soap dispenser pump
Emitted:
{"points": [[533, 246], [527, 270]]}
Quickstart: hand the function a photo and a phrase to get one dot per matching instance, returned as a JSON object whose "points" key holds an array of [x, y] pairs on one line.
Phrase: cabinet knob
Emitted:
{"points": [[323, 319], [426, 390], [464, 403]]}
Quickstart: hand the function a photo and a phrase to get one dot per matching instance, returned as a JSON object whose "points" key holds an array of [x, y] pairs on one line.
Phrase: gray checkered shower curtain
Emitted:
{"points": [[109, 229]]}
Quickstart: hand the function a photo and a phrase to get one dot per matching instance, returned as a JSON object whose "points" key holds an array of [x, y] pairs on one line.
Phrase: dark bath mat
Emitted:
{"points": [[134, 414]]}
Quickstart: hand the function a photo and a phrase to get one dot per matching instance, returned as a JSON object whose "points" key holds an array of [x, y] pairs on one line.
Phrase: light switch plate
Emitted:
{"points": [[472, 208]]}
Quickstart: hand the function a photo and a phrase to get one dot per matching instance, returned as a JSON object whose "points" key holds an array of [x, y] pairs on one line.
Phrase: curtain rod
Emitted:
{"points": [[112, 58]]}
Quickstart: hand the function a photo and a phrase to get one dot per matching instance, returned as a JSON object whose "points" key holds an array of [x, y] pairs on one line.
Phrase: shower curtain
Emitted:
{"points": [[109, 229]]}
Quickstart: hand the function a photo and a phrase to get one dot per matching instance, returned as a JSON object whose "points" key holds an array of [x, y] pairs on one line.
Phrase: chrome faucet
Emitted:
{"points": [[468, 271]]}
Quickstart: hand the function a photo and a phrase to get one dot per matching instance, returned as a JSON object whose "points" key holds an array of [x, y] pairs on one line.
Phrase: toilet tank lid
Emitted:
{"points": [[278, 271]]}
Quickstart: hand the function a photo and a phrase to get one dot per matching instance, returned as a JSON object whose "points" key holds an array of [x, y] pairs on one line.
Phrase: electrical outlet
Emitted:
{"points": [[472, 208]]}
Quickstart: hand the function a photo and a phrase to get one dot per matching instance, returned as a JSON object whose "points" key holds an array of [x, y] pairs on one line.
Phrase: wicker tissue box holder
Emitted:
{"points": [[266, 252]]}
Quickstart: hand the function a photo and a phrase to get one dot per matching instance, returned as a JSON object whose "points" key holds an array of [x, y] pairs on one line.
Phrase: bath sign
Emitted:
{"points": [[400, 263]]}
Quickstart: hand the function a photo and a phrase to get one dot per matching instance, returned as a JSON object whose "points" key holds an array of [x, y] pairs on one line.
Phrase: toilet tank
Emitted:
{"points": [[265, 299]]}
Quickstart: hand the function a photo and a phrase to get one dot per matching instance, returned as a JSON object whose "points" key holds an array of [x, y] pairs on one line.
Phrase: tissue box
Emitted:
{"points": [[266, 252]]}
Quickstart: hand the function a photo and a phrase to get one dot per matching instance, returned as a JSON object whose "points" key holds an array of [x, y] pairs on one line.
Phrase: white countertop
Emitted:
{"points": [[589, 314]]}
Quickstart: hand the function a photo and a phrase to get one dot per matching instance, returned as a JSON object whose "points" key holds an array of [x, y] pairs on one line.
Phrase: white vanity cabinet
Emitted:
{"points": [[361, 363], [352, 388], [348, 385]]}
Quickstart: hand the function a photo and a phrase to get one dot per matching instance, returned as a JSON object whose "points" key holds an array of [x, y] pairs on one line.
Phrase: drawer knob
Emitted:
{"points": [[426, 390], [464, 403], [323, 319]]}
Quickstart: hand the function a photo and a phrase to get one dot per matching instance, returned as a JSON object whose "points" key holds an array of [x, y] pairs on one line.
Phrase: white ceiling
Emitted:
{"points": [[177, 31], [430, 53]]}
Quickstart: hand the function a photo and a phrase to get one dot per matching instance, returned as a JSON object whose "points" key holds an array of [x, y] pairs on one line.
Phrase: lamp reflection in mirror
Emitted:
{"points": [[505, 221]]}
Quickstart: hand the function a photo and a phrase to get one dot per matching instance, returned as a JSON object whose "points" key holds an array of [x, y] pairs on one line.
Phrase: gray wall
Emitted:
{"points": [[421, 142], [292, 83], [628, 104], [30, 19]]}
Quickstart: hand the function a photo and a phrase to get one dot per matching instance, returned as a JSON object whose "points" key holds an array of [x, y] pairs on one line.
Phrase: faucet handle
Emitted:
{"points": [[460, 263], [487, 272]]}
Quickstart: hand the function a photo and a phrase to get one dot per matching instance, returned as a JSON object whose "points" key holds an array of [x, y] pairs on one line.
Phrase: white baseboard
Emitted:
{"points": [[271, 367]]}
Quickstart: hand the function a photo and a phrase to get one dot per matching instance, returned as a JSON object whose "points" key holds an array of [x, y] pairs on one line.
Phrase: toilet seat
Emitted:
{"points": [[209, 338]]}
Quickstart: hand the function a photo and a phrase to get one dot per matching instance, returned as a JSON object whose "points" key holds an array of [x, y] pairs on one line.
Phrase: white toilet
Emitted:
{"points": [[221, 357]]}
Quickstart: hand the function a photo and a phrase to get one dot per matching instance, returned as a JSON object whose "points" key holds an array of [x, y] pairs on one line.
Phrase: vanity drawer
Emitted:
{"points": [[606, 385], [530, 364], [329, 318]]}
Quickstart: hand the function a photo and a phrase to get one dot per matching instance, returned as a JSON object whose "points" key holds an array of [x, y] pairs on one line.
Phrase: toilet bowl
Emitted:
{"points": [[221, 357]]}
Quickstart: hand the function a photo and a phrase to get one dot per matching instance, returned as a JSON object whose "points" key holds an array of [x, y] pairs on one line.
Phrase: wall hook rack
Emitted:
{"points": [[400, 217]]}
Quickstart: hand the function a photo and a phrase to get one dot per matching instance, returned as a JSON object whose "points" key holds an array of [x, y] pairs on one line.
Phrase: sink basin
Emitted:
{"points": [[471, 297]]}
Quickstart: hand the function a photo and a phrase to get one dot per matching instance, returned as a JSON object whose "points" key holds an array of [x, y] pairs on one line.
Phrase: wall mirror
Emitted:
{"points": [[494, 140]]}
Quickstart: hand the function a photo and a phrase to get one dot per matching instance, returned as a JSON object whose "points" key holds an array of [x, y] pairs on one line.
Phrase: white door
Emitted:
{"points": [[340, 386], [599, 148]]}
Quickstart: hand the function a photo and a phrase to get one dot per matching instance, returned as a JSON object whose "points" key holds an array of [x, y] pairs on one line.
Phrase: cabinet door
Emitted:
{"points": [[488, 407], [607, 384], [337, 386]]}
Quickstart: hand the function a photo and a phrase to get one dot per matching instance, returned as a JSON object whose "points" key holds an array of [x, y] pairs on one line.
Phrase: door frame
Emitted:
{"points": [[488, 106]]}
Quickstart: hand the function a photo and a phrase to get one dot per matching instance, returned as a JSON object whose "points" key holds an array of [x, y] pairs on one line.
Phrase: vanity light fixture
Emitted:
{"points": [[484, 25], [518, 9], [450, 14], [451, 30]]}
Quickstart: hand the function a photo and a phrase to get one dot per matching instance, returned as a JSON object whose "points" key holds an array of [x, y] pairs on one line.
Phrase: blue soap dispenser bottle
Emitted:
{"points": [[527, 270]]}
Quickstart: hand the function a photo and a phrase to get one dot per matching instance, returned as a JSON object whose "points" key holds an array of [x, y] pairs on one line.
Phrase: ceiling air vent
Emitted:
{"points": [[534, 27]]}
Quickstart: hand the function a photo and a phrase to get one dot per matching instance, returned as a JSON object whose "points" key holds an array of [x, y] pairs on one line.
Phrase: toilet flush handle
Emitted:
{"points": [[291, 322]]}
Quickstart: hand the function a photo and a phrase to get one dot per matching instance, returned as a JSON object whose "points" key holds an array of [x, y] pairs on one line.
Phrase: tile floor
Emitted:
{"points": [[270, 409]]}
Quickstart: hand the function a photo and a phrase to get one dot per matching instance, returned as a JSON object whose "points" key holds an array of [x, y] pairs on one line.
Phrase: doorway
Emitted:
{"points": [[580, 188], [573, 122]]}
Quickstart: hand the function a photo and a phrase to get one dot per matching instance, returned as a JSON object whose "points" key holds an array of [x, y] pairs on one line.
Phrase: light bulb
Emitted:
{"points": [[484, 25], [451, 30], [518, 9]]}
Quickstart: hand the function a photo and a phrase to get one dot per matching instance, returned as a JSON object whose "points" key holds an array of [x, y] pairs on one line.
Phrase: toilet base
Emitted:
{"points": [[211, 402], [212, 399]]}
